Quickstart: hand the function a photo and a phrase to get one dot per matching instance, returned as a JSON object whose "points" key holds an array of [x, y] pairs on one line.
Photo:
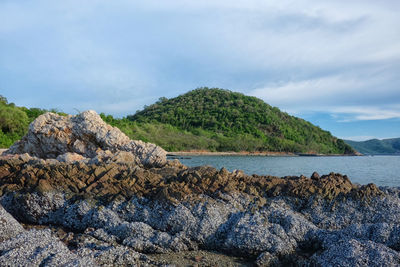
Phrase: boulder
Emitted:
{"points": [[85, 134], [9, 227], [345, 251], [39, 248]]}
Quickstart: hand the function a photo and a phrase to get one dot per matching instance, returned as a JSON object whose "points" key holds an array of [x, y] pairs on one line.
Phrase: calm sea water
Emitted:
{"points": [[381, 170]]}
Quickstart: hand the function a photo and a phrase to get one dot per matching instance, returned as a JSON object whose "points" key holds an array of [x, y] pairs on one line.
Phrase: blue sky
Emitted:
{"points": [[334, 63]]}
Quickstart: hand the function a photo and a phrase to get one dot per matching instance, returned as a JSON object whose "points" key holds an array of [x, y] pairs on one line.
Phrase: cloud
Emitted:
{"points": [[306, 91], [358, 138], [346, 97], [365, 113], [302, 56]]}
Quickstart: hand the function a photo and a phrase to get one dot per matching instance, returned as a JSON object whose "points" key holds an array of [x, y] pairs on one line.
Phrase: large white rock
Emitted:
{"points": [[86, 134]]}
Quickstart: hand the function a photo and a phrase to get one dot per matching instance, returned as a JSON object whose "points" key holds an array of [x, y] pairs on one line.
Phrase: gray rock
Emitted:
{"points": [[253, 234], [341, 251], [206, 222], [75, 216], [33, 208], [38, 248], [266, 259], [143, 238], [102, 235], [294, 223], [106, 254], [86, 134], [330, 233], [9, 227]]}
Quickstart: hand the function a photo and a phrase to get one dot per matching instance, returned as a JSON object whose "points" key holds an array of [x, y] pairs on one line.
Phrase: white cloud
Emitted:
{"points": [[306, 92], [340, 57], [366, 113], [346, 98], [358, 138]]}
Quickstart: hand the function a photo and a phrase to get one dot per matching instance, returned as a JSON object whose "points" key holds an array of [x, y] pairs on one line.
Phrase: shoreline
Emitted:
{"points": [[247, 153], [241, 153], [229, 153]]}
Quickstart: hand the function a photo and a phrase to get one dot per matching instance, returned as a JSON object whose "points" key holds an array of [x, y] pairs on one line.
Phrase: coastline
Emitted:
{"points": [[248, 153], [241, 153], [228, 153]]}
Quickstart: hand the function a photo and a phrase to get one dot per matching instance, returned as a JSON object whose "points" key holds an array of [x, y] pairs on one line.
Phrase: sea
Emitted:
{"points": [[380, 170]]}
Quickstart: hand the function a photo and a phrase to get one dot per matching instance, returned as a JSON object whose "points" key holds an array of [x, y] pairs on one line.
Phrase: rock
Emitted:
{"points": [[265, 259], [70, 157], [253, 234], [106, 254], [115, 209], [143, 238], [367, 191], [344, 251], [113, 174], [274, 233], [38, 248], [9, 227], [315, 176], [86, 134], [32, 208], [122, 157]]}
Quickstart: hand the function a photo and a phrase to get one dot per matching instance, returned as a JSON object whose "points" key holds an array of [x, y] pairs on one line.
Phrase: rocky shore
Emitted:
{"points": [[78, 192]]}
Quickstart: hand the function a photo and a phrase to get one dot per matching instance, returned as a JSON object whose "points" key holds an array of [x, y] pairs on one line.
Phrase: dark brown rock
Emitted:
{"points": [[174, 181], [315, 176]]}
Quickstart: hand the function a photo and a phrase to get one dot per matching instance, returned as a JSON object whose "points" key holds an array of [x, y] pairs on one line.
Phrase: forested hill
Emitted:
{"points": [[239, 122], [203, 119], [376, 146]]}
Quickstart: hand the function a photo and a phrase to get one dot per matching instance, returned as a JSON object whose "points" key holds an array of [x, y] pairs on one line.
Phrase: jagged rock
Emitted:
{"points": [[315, 176], [86, 134], [38, 248], [9, 227], [112, 176]]}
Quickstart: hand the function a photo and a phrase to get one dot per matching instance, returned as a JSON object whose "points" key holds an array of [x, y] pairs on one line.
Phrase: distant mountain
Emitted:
{"points": [[238, 122], [376, 146]]}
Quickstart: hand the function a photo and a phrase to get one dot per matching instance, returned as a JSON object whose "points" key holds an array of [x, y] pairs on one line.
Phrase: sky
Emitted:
{"points": [[334, 63]]}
